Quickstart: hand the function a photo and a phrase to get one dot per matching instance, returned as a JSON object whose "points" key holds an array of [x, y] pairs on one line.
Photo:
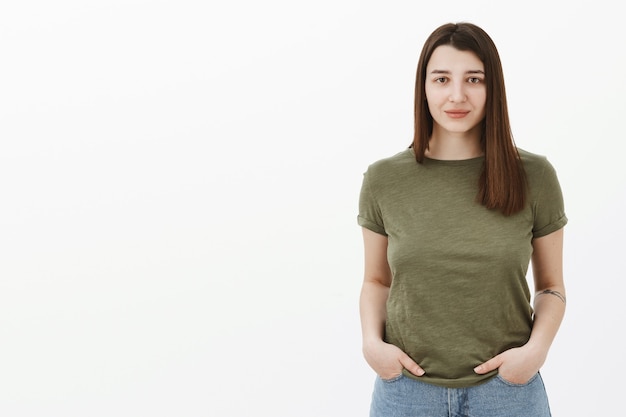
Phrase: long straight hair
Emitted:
{"points": [[502, 183]]}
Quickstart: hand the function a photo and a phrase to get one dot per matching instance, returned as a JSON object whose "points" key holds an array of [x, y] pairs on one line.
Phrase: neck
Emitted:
{"points": [[453, 146]]}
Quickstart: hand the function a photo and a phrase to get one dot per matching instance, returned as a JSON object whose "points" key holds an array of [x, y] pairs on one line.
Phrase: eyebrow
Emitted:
{"points": [[448, 72]]}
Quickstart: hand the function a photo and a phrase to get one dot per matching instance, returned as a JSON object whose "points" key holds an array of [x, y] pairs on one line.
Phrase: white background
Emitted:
{"points": [[179, 185]]}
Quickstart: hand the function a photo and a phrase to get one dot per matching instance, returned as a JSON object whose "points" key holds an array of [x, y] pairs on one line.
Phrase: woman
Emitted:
{"points": [[450, 226]]}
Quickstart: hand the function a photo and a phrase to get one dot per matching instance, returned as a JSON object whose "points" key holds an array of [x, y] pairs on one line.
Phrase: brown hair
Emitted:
{"points": [[502, 183]]}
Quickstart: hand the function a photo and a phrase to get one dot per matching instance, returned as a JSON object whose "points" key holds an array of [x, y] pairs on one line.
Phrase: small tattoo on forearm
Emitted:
{"points": [[555, 293]]}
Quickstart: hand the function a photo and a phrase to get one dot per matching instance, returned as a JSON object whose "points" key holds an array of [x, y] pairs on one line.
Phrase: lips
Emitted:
{"points": [[457, 114]]}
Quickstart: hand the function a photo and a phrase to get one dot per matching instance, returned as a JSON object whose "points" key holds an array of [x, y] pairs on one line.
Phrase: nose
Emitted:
{"points": [[457, 93]]}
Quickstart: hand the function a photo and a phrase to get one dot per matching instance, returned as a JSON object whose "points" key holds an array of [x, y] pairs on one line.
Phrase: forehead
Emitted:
{"points": [[448, 58]]}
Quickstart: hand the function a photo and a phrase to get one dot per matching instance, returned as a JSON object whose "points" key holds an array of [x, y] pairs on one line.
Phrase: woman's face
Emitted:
{"points": [[455, 90]]}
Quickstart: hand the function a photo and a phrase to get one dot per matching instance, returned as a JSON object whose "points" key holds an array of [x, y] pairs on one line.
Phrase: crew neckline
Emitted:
{"points": [[469, 161], [450, 162]]}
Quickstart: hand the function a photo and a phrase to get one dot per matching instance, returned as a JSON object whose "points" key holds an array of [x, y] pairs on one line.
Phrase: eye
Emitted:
{"points": [[440, 80], [474, 80]]}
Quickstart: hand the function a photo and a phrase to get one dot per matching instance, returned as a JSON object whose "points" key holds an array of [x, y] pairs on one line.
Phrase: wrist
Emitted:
{"points": [[537, 349], [369, 342]]}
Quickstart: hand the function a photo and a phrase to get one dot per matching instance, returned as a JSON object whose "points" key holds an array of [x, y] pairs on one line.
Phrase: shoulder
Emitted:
{"points": [[393, 165], [531, 159], [540, 173], [535, 165]]}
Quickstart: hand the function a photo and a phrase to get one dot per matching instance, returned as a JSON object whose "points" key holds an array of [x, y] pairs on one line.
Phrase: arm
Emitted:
{"points": [[519, 364], [385, 359], [549, 291]]}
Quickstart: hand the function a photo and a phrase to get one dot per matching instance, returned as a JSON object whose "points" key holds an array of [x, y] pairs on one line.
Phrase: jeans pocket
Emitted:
{"points": [[513, 384], [392, 379]]}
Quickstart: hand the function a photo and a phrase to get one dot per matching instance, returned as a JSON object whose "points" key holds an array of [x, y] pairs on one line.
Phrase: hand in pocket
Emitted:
{"points": [[388, 360]]}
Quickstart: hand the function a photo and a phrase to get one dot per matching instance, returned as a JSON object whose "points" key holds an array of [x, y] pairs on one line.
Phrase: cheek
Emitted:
{"points": [[431, 107], [431, 100], [430, 96], [480, 99]]}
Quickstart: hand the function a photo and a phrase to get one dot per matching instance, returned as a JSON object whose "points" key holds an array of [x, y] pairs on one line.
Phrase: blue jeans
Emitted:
{"points": [[406, 397]]}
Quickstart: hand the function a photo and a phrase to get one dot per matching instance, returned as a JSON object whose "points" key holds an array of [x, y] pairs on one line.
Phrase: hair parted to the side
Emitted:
{"points": [[502, 183]]}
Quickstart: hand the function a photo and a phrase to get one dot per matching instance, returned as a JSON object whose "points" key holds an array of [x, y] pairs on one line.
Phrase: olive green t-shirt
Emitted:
{"points": [[459, 294]]}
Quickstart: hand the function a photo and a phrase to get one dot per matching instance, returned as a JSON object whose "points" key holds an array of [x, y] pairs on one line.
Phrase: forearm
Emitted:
{"points": [[549, 309], [549, 303], [373, 309]]}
